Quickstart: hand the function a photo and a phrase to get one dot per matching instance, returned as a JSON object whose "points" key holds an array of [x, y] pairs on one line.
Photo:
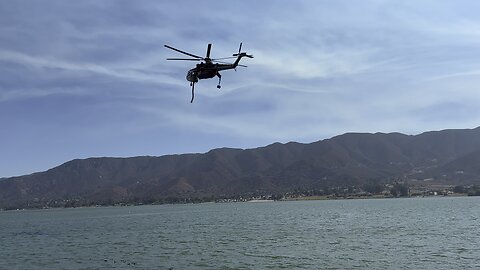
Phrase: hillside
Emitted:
{"points": [[450, 156]]}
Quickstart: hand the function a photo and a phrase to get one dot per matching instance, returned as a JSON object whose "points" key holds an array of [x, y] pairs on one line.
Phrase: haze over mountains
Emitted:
{"points": [[449, 156]]}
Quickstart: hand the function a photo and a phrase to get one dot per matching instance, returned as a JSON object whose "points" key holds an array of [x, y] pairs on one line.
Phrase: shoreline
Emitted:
{"points": [[290, 199], [327, 197]]}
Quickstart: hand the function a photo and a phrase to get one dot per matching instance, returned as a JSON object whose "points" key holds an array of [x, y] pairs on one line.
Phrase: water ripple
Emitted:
{"points": [[437, 233]]}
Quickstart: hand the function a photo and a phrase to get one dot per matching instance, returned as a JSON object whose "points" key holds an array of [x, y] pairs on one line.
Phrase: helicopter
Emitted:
{"points": [[208, 68]]}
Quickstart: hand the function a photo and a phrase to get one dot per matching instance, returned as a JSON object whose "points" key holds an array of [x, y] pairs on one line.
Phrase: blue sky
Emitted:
{"points": [[89, 78]]}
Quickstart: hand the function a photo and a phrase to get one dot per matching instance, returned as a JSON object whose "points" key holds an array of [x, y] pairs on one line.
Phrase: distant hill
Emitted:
{"points": [[451, 156]]}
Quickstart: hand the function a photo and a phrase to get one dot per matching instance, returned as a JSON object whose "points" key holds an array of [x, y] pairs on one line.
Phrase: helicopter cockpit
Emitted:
{"points": [[192, 75]]}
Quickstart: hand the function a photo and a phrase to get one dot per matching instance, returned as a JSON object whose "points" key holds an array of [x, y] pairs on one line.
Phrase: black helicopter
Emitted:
{"points": [[210, 67]]}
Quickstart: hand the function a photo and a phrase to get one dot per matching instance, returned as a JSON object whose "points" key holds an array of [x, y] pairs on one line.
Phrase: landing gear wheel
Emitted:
{"points": [[219, 86]]}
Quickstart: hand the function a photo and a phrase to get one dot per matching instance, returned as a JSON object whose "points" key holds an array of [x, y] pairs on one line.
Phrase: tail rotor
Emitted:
{"points": [[240, 53]]}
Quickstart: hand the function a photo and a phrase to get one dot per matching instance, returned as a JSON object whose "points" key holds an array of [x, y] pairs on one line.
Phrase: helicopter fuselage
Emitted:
{"points": [[206, 71]]}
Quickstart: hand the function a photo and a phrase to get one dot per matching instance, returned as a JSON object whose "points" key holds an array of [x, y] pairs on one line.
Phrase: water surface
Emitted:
{"points": [[423, 233]]}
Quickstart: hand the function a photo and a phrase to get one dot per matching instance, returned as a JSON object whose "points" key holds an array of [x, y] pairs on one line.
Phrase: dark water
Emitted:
{"points": [[433, 233]]}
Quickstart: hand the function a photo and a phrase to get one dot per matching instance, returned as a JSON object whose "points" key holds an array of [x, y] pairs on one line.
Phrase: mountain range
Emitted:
{"points": [[450, 156]]}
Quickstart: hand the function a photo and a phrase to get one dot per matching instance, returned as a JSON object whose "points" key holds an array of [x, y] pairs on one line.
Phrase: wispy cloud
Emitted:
{"points": [[93, 75]]}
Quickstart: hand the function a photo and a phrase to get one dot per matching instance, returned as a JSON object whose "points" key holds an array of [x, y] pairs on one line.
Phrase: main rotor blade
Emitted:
{"points": [[222, 58], [240, 48], [221, 62], [209, 47], [185, 59], [180, 51]]}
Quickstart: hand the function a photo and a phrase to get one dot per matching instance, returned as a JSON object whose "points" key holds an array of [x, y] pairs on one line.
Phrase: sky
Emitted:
{"points": [[82, 79]]}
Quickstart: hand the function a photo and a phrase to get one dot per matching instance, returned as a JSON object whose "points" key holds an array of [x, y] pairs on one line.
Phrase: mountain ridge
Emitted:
{"points": [[347, 159]]}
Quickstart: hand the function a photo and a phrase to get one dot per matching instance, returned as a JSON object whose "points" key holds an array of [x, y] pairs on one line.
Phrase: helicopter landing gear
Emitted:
{"points": [[219, 80]]}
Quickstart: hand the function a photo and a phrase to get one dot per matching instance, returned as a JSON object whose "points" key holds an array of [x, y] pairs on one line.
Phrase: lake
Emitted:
{"points": [[414, 233]]}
